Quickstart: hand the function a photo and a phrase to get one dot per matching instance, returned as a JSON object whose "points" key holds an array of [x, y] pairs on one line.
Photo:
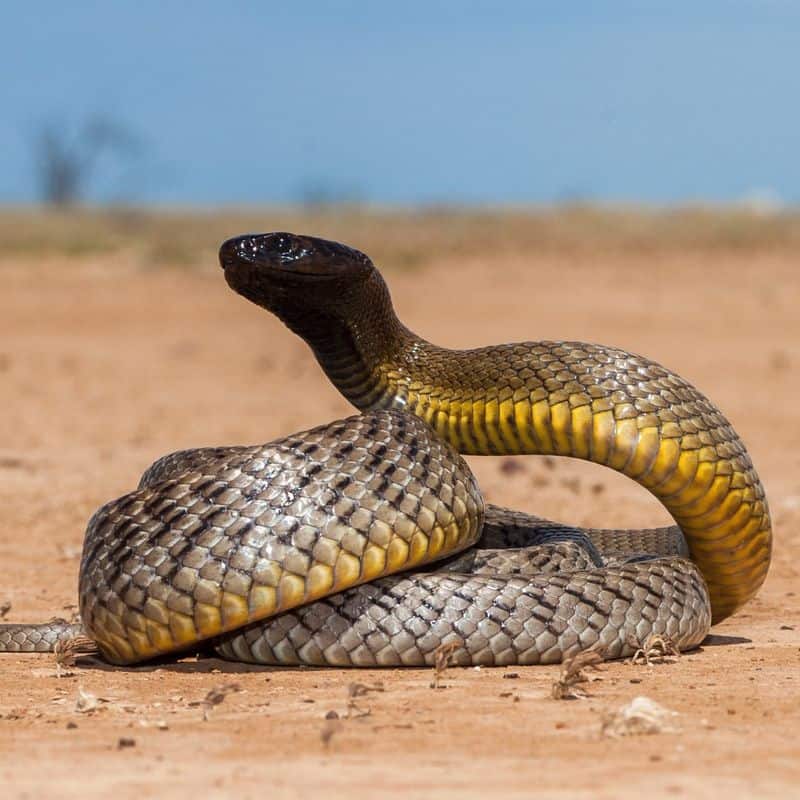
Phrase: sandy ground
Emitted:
{"points": [[105, 365]]}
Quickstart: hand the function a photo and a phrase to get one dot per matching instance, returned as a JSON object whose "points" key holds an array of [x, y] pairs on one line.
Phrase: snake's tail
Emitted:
{"points": [[37, 637]]}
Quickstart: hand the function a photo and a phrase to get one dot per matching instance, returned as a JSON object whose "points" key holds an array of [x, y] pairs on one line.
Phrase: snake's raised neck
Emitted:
{"points": [[333, 297]]}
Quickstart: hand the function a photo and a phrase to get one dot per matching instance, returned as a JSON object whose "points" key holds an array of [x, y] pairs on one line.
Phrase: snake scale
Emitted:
{"points": [[318, 548]]}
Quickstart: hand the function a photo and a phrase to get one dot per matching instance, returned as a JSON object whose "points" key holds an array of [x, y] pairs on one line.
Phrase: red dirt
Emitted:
{"points": [[104, 366]]}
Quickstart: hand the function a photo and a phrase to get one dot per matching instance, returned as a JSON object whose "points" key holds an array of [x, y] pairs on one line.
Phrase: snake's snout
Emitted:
{"points": [[290, 253]]}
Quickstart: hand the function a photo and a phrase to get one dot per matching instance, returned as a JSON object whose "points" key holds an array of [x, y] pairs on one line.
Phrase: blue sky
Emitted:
{"points": [[413, 102]]}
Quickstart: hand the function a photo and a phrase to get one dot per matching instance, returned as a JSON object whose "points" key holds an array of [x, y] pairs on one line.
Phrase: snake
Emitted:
{"points": [[367, 542]]}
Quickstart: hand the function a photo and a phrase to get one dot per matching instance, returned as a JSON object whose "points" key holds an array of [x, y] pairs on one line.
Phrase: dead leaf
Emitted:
{"points": [[86, 702]]}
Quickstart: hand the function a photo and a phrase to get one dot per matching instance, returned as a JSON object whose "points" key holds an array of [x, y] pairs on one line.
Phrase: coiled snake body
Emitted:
{"points": [[287, 552]]}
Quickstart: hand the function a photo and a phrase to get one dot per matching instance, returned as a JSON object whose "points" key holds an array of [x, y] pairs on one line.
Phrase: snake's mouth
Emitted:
{"points": [[289, 254]]}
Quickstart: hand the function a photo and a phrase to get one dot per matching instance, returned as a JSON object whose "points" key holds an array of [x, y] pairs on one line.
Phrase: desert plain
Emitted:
{"points": [[120, 341]]}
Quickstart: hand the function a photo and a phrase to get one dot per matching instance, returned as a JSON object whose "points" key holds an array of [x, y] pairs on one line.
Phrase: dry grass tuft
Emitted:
{"points": [[68, 650], [657, 649]]}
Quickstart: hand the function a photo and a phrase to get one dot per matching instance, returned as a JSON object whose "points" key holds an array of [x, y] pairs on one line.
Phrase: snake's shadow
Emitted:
{"points": [[717, 639], [199, 664], [190, 665]]}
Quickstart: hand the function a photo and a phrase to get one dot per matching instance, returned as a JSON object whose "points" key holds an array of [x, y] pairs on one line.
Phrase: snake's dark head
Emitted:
{"points": [[309, 283], [260, 265], [329, 294]]}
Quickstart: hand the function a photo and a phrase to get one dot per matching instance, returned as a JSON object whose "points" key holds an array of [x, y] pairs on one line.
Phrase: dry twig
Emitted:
{"points": [[567, 686], [441, 660], [216, 696], [355, 690]]}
